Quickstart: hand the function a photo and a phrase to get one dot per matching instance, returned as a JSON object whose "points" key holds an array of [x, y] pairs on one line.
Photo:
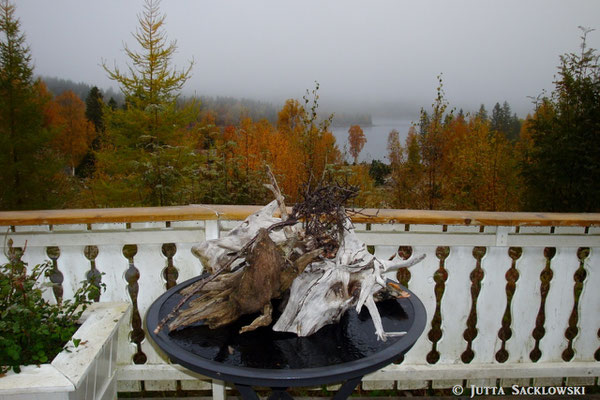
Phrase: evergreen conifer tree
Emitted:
{"points": [[562, 167], [29, 168], [145, 161]]}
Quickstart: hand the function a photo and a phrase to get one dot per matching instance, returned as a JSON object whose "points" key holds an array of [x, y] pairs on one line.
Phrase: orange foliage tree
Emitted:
{"points": [[357, 140], [75, 133]]}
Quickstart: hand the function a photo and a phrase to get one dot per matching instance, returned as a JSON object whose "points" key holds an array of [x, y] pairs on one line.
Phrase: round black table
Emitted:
{"points": [[342, 352]]}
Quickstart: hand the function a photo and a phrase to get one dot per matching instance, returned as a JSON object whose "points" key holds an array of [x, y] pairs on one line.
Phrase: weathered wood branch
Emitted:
{"points": [[316, 258]]}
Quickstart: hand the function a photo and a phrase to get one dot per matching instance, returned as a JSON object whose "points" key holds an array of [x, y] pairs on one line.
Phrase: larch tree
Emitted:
{"points": [[146, 159], [431, 141], [28, 166]]}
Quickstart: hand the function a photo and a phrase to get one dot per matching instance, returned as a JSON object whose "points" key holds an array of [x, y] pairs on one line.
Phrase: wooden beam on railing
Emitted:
{"points": [[238, 212]]}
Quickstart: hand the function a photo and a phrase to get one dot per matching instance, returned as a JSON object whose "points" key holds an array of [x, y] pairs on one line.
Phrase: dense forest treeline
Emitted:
{"points": [[226, 109], [64, 144]]}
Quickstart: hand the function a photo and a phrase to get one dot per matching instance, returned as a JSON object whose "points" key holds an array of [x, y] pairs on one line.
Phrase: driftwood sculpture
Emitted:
{"points": [[312, 259]]}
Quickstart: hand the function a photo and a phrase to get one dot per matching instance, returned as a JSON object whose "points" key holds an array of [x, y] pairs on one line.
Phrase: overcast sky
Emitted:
{"points": [[362, 52]]}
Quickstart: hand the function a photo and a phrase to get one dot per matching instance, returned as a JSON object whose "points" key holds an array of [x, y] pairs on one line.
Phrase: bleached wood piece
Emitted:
{"points": [[587, 342], [326, 289], [491, 304], [559, 304]]}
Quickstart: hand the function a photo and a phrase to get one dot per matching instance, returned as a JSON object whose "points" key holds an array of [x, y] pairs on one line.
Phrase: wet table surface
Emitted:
{"points": [[345, 351]]}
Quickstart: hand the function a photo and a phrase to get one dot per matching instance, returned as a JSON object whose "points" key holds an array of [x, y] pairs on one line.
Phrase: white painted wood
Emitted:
{"points": [[456, 304], [535, 229], [414, 371], [573, 230], [111, 262], [462, 229], [525, 305], [160, 386], [196, 384], [587, 342], [211, 230], [84, 372], [378, 385], [187, 265], [445, 383], [508, 382], [74, 265], [502, 233], [139, 372], [30, 228], [481, 382], [150, 262], [491, 304], [547, 381], [425, 228], [101, 323], [422, 284], [559, 304], [412, 384], [128, 386], [69, 228], [218, 390], [32, 380], [576, 381], [486, 371]]}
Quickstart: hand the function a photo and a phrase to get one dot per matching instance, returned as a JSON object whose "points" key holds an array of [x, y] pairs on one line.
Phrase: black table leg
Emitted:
{"points": [[280, 393], [247, 392], [347, 388]]}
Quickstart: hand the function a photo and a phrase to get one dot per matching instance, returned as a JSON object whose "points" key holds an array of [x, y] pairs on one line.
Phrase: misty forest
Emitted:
{"points": [[73, 145]]}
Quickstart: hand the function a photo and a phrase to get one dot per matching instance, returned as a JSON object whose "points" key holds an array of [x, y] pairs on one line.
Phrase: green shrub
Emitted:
{"points": [[33, 330]]}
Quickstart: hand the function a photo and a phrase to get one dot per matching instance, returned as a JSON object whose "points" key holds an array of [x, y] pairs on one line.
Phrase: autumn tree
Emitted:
{"points": [[75, 131], [146, 160], [309, 144], [562, 167], [408, 181], [29, 167], [480, 167], [357, 140], [431, 140]]}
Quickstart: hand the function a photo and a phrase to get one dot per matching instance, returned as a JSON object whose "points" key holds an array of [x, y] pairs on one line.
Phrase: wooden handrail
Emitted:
{"points": [[237, 212]]}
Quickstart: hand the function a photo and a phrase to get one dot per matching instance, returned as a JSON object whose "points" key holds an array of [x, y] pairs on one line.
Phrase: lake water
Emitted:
{"points": [[377, 135]]}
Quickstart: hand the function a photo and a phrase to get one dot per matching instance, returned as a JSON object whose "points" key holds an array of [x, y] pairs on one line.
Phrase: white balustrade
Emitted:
{"points": [[144, 280]]}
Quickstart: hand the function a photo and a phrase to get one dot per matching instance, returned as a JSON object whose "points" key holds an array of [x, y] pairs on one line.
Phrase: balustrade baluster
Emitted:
{"points": [[491, 304], [586, 344], [422, 284], [455, 307], [559, 304]]}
